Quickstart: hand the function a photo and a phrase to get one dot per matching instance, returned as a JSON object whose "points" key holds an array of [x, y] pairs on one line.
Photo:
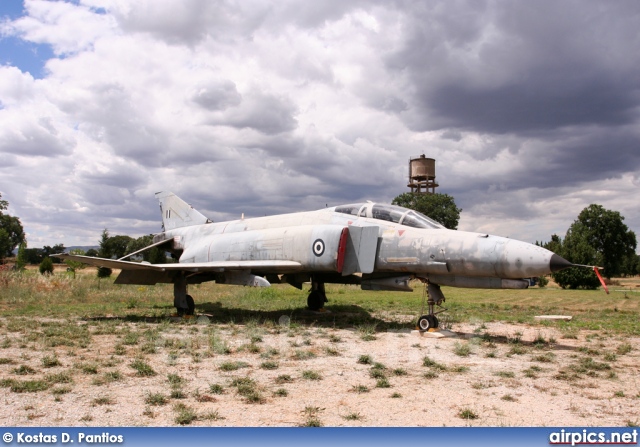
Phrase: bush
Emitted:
{"points": [[576, 278], [46, 266], [542, 281], [104, 272]]}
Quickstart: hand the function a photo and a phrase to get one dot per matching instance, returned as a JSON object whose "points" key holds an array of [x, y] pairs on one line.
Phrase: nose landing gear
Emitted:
{"points": [[434, 298]]}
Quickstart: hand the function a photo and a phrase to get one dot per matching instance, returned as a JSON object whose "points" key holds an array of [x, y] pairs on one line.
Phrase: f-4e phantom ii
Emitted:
{"points": [[380, 247]]}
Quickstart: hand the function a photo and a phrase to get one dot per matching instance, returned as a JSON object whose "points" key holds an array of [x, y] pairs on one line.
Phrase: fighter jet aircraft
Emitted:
{"points": [[380, 247]]}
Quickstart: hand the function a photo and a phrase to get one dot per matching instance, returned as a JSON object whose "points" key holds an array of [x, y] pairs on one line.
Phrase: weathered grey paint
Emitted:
{"points": [[308, 243]]}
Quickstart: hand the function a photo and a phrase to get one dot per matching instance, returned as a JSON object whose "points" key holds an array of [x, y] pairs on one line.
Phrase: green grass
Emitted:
{"points": [[156, 399], [281, 392], [143, 369], [505, 374], [232, 366], [24, 370], [311, 375], [468, 414], [185, 415], [30, 295], [284, 378], [216, 388], [61, 377], [355, 416], [312, 418], [175, 380], [25, 386], [429, 363], [50, 361], [360, 389], [102, 400], [462, 349], [269, 365], [248, 389]]}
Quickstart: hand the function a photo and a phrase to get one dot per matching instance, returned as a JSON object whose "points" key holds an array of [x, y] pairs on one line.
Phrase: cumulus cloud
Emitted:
{"points": [[530, 110]]}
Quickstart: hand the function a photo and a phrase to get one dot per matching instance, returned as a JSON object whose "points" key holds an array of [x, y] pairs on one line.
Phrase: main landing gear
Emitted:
{"points": [[434, 298], [182, 301], [317, 296]]}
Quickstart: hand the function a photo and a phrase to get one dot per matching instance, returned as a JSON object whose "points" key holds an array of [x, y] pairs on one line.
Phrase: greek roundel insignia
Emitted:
{"points": [[318, 247]]}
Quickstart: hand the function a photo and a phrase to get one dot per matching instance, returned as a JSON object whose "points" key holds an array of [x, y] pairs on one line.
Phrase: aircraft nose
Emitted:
{"points": [[557, 263]]}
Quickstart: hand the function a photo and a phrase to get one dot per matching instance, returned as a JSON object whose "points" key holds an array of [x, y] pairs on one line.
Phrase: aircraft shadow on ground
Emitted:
{"points": [[337, 316]]}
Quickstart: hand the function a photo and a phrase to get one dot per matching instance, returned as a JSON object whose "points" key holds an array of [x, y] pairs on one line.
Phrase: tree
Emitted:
{"points": [[154, 255], [598, 237], [439, 207], [46, 266], [92, 252], [604, 230], [554, 245], [72, 266], [104, 252], [49, 251], [21, 259], [11, 231], [117, 245], [574, 249]]}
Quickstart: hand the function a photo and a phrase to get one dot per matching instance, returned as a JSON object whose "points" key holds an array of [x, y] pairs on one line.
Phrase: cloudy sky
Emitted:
{"points": [[531, 109]]}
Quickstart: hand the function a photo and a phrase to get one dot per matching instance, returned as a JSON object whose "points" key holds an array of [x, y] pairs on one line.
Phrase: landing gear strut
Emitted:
{"points": [[182, 301], [434, 298], [317, 296]]}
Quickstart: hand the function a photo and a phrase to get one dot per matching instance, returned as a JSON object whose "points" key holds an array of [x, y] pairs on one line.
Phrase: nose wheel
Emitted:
{"points": [[434, 297], [427, 322]]}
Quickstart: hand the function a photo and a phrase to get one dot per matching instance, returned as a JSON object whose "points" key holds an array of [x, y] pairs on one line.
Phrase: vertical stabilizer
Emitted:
{"points": [[177, 213]]}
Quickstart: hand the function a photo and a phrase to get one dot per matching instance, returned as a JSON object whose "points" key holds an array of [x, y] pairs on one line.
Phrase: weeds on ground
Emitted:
{"points": [[468, 414], [311, 375], [143, 369], [312, 418]]}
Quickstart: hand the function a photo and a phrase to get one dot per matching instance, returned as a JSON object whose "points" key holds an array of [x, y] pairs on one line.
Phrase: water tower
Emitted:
{"points": [[422, 175]]}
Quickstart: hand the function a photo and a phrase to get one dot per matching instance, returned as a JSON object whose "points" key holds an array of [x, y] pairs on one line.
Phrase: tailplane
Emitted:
{"points": [[177, 213]]}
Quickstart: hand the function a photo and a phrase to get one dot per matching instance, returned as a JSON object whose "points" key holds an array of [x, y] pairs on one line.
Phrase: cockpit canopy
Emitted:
{"points": [[390, 213]]}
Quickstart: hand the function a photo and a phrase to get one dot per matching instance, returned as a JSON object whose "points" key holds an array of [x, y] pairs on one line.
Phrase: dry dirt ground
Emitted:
{"points": [[493, 374]]}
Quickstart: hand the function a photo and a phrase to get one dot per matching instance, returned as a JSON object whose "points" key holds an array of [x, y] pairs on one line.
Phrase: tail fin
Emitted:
{"points": [[177, 213]]}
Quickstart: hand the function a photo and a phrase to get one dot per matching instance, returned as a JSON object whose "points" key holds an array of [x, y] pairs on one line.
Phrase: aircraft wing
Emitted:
{"points": [[273, 266]]}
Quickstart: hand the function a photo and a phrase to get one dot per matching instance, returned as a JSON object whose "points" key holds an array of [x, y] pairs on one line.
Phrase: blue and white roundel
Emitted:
{"points": [[318, 247]]}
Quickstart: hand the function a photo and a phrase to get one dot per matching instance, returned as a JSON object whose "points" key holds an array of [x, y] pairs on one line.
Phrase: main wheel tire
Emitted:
{"points": [[315, 300], [191, 305]]}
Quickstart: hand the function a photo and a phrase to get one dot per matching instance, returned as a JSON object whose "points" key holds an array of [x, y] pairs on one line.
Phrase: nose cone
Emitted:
{"points": [[523, 260], [557, 263]]}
